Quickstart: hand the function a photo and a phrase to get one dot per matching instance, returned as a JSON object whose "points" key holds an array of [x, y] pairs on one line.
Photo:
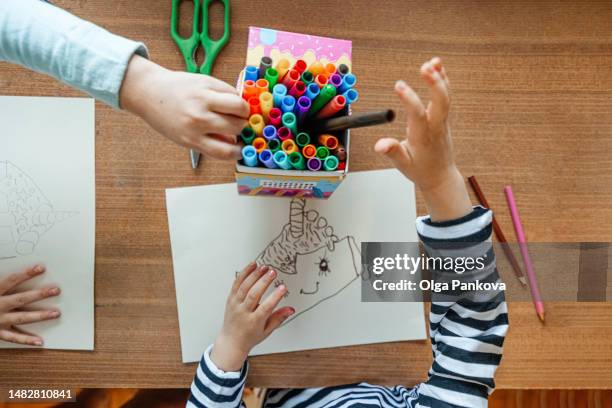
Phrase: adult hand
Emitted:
{"points": [[193, 110]]}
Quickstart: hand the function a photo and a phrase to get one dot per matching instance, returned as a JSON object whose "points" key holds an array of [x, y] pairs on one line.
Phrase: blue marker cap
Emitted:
{"points": [[282, 160], [249, 156], [278, 93], [348, 81], [266, 158], [351, 96], [269, 132], [288, 104], [251, 73], [312, 90]]}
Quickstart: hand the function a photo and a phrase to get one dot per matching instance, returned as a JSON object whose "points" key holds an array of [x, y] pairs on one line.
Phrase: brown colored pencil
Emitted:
{"points": [[499, 233]]}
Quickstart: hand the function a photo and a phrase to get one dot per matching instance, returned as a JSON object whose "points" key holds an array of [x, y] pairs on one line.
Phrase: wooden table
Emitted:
{"points": [[532, 106]]}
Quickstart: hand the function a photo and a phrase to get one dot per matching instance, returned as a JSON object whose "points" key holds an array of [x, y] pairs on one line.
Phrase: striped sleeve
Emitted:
{"points": [[213, 387], [467, 329]]}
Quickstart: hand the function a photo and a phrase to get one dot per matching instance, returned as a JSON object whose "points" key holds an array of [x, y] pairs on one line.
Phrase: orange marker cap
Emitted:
{"points": [[309, 151], [249, 90], [259, 143], [329, 141], [289, 146], [262, 86], [316, 68]]}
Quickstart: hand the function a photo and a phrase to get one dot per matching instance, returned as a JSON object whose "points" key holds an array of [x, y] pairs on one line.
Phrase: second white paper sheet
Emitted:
{"points": [[313, 244], [47, 209]]}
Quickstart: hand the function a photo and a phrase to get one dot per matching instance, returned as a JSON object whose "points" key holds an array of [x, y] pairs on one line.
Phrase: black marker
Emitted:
{"points": [[343, 69], [266, 62], [352, 121]]}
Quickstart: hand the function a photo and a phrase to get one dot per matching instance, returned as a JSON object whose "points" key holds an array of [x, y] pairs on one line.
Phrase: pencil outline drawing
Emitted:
{"points": [[26, 214], [306, 233]]}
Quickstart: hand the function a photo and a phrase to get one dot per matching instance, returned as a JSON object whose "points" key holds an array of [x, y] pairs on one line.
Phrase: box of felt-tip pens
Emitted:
{"points": [[293, 83]]}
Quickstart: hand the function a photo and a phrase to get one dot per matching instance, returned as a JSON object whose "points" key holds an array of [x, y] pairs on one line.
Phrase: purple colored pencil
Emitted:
{"points": [[302, 107]]}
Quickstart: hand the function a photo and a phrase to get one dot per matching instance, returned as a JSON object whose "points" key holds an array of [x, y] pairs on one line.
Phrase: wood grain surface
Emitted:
{"points": [[532, 107]]}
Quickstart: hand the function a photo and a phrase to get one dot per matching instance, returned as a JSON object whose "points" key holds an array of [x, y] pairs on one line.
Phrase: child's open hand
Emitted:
{"points": [[193, 110], [14, 304], [426, 155], [248, 320]]}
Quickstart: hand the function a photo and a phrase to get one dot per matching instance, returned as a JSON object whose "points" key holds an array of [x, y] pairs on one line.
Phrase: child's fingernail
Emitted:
{"points": [[400, 85], [54, 291], [54, 314], [37, 342], [291, 311], [38, 269], [272, 273]]}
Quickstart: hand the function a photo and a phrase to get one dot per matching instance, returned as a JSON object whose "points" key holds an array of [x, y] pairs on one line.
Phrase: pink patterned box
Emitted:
{"points": [[292, 46]]}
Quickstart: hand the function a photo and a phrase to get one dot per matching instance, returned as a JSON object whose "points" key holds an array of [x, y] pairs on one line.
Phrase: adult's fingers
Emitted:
{"points": [[437, 111], [412, 104], [17, 300], [13, 280], [277, 318], [216, 148], [250, 281], [396, 152], [229, 104], [243, 275], [19, 337], [18, 318], [217, 85], [219, 123]]}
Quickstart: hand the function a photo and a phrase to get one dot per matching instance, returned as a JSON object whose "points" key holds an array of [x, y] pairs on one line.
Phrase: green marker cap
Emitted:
{"points": [[272, 77], [322, 152], [247, 135], [274, 145], [302, 139], [327, 94], [297, 161], [330, 163], [307, 77], [290, 122]]}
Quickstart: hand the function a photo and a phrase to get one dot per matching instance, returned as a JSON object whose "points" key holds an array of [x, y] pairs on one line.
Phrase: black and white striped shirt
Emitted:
{"points": [[466, 336]]}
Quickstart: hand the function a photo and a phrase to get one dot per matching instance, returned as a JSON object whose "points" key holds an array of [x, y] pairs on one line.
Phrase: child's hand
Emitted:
{"points": [[193, 110], [13, 305], [247, 320], [426, 155]]}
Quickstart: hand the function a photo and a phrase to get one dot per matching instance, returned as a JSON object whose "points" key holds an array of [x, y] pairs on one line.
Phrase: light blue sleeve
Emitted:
{"points": [[50, 40]]}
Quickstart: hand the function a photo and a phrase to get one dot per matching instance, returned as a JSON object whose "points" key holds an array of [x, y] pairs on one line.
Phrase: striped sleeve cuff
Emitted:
{"points": [[215, 387], [473, 227]]}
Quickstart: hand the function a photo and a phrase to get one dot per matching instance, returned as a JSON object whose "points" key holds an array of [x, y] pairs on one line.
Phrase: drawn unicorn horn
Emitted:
{"points": [[296, 217], [51, 217]]}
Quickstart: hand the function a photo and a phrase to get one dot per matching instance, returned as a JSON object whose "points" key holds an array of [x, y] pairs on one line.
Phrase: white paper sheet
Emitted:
{"points": [[215, 232], [47, 208]]}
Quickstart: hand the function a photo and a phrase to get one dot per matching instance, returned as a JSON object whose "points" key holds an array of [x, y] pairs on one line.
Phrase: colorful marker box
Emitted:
{"points": [[287, 161]]}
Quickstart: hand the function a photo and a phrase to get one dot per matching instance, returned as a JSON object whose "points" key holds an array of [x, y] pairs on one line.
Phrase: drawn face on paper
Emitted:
{"points": [[321, 275], [312, 262]]}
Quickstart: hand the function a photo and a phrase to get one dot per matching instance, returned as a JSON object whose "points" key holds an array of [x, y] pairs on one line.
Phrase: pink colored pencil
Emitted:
{"points": [[520, 236]]}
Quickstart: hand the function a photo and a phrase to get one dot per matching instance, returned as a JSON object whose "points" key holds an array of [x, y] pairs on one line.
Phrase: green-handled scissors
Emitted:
{"points": [[188, 46]]}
